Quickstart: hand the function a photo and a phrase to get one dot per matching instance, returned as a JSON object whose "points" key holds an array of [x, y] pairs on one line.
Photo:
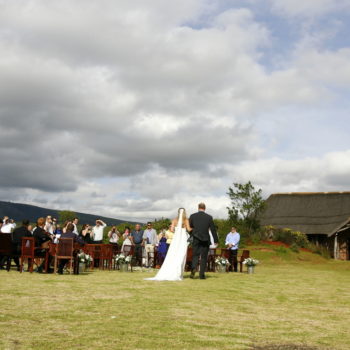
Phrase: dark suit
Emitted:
{"points": [[40, 236], [201, 222]]}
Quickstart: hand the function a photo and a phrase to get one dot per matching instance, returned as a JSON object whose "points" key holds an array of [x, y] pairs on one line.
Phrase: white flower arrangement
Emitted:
{"points": [[221, 261], [250, 262], [122, 259], [84, 258]]}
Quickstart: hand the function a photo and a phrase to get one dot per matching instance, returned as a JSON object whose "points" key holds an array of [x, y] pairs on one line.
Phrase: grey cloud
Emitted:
{"points": [[91, 91]]}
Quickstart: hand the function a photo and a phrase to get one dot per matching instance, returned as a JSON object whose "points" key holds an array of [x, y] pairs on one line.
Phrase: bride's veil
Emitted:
{"points": [[179, 222]]}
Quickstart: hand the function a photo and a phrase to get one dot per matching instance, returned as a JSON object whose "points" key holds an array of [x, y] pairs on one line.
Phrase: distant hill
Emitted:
{"points": [[19, 211]]}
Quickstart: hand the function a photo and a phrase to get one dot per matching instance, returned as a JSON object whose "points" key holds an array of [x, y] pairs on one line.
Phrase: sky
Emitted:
{"points": [[131, 109]]}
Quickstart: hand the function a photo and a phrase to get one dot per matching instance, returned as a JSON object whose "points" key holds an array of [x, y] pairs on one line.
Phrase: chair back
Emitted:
{"points": [[5, 244], [94, 250], [212, 252], [128, 250], [106, 251], [64, 248], [225, 253], [28, 247], [52, 248], [245, 254]]}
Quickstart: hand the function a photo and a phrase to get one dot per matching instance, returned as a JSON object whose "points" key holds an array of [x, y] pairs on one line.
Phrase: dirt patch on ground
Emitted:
{"points": [[263, 249]]}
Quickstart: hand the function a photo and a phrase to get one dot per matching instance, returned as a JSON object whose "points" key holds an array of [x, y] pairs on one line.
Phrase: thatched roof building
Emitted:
{"points": [[323, 216]]}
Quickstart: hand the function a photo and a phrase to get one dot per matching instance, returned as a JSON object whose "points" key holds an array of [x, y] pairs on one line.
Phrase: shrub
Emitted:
{"points": [[285, 235], [320, 250], [294, 248], [281, 250]]}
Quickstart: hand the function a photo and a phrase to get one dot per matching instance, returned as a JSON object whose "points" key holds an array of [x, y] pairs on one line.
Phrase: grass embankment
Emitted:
{"points": [[292, 298]]}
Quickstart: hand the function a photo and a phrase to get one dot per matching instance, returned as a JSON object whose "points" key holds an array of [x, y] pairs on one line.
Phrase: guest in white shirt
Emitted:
{"points": [[232, 242], [150, 240], [113, 235], [8, 225], [49, 225], [97, 231], [75, 224]]}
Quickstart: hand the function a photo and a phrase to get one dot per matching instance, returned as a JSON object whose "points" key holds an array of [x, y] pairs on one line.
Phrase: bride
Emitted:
{"points": [[175, 260]]}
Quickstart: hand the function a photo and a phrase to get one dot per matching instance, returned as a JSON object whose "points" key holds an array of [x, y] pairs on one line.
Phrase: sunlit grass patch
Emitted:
{"points": [[289, 303]]}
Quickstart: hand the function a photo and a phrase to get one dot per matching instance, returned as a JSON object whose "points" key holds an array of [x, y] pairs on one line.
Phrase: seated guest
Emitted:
{"points": [[85, 234], [231, 242], [76, 239], [57, 233], [97, 231], [39, 234], [41, 241], [17, 235]]}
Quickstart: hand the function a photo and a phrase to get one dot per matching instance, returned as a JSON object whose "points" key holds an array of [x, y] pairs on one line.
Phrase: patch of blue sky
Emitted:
{"points": [[285, 33], [295, 133]]}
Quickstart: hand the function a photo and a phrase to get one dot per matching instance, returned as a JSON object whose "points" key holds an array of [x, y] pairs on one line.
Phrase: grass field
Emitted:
{"points": [[293, 301]]}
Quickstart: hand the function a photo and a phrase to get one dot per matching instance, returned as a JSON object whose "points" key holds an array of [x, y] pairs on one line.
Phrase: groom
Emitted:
{"points": [[201, 222]]}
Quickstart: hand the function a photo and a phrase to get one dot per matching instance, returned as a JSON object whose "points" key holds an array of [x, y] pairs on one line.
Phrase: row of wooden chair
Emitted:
{"points": [[103, 253]]}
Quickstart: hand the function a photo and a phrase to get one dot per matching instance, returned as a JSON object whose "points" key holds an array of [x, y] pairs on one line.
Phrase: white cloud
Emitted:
{"points": [[125, 109]]}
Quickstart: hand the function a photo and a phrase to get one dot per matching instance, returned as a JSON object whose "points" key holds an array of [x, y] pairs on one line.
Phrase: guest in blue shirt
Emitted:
{"points": [[137, 237], [231, 242]]}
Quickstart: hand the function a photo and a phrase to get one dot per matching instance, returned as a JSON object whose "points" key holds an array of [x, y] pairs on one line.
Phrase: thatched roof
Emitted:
{"points": [[311, 213]]}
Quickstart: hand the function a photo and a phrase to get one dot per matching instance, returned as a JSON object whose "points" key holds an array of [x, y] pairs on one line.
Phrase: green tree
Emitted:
{"points": [[66, 215], [246, 204]]}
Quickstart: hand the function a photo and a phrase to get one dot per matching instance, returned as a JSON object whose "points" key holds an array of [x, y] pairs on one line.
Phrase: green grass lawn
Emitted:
{"points": [[293, 301]]}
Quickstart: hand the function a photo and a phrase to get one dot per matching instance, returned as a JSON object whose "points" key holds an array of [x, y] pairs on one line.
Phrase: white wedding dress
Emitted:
{"points": [[175, 260]]}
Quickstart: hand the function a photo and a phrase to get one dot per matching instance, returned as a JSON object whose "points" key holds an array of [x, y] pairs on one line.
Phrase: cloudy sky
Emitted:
{"points": [[130, 109]]}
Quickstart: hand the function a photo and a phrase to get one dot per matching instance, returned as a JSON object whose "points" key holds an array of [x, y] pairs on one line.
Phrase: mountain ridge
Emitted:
{"points": [[20, 211]]}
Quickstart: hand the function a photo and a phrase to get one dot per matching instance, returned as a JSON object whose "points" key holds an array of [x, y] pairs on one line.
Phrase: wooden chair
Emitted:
{"points": [[245, 255], [50, 252], [225, 253], [94, 250], [28, 252], [211, 259], [64, 250], [129, 250], [6, 249], [106, 256]]}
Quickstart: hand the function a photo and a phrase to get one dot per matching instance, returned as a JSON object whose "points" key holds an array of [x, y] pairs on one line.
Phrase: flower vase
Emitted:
{"points": [[81, 267], [250, 269], [123, 267], [221, 268]]}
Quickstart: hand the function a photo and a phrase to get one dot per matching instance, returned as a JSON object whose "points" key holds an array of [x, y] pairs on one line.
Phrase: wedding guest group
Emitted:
{"points": [[149, 247]]}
